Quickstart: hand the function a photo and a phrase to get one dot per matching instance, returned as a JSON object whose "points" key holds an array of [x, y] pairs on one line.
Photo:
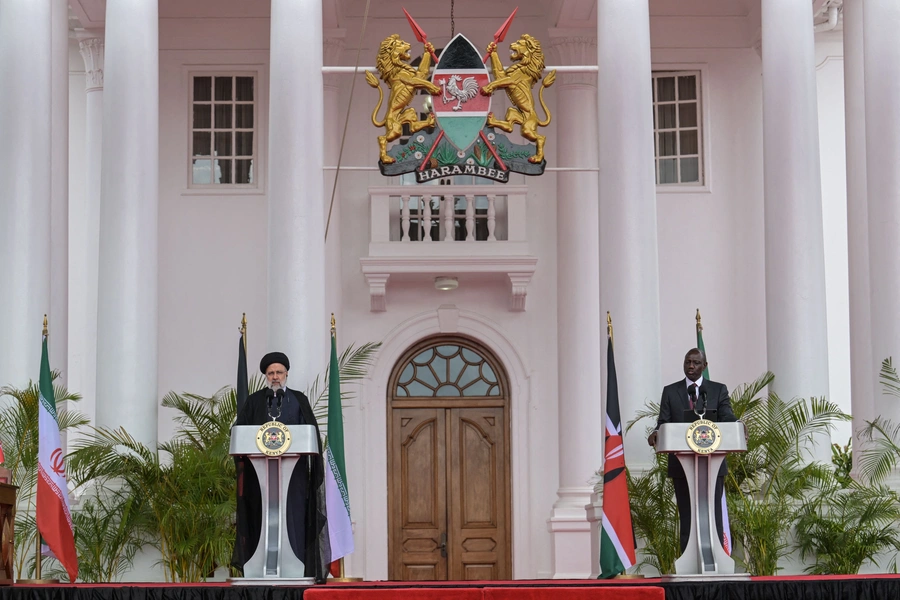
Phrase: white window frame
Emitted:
{"points": [[260, 129], [705, 163]]}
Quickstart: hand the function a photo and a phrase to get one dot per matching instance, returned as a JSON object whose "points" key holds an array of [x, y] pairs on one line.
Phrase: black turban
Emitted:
{"points": [[272, 358]]}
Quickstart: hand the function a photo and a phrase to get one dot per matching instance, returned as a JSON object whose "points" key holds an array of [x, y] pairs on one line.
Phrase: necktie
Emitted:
{"points": [[692, 394]]}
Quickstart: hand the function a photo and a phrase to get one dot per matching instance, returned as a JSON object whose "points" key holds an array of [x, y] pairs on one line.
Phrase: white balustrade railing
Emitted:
{"points": [[456, 215]]}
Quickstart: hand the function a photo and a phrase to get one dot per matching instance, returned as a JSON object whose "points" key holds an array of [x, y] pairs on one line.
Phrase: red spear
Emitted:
{"points": [[419, 33], [501, 33]]}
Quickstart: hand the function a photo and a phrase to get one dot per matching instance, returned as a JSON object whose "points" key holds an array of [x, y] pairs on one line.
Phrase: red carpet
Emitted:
{"points": [[492, 593]]}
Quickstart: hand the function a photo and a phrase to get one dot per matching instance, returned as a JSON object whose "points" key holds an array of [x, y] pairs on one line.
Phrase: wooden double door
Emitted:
{"points": [[449, 507]]}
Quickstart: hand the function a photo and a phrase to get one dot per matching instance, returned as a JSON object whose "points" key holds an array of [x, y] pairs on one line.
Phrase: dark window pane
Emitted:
{"points": [[201, 172], [667, 144], [202, 116], [687, 88], [223, 116], [223, 88], [202, 89], [243, 142], [243, 171], [689, 142], [223, 143], [223, 171], [666, 116], [202, 143], [668, 171], [687, 114], [243, 116], [244, 89], [690, 170], [666, 89]]}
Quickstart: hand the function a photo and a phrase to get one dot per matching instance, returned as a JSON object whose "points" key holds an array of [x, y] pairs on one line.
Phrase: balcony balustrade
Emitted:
{"points": [[418, 233]]}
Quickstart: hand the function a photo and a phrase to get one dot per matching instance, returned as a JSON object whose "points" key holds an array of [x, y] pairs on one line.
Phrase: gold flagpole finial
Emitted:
{"points": [[333, 324], [699, 325], [46, 331], [609, 328], [243, 330]]}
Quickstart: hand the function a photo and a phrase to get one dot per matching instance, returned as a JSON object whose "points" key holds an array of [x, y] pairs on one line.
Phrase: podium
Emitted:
{"points": [[273, 562], [704, 557]]}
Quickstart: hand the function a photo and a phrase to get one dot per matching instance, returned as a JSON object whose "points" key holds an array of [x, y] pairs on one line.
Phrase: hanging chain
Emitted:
{"points": [[452, 22]]}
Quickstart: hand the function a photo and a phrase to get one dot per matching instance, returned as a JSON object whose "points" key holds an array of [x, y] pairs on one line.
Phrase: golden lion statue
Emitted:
{"points": [[403, 80], [518, 80]]}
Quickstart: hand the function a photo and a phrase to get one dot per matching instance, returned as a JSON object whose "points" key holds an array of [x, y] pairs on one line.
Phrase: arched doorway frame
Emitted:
{"points": [[445, 320]]}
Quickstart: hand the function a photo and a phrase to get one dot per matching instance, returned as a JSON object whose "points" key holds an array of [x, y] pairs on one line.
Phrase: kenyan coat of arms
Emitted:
{"points": [[460, 135]]}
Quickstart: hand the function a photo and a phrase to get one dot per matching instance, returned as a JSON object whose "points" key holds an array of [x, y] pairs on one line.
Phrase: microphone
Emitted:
{"points": [[703, 397], [280, 394], [270, 394]]}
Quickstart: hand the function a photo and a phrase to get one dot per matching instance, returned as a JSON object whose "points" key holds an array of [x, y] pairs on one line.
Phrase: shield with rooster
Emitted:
{"points": [[461, 109]]}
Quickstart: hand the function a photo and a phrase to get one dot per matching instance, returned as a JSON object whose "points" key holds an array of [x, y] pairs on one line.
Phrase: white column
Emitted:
{"points": [[862, 366], [333, 47], [127, 316], [84, 246], [59, 188], [25, 159], [796, 334], [629, 261], [578, 307], [298, 321], [882, 114]]}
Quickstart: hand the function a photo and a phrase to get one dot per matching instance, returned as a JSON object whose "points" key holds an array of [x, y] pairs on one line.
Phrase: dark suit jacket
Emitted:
{"points": [[675, 401]]}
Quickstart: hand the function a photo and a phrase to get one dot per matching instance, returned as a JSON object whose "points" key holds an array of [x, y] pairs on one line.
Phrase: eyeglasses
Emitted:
{"points": [[274, 373]]}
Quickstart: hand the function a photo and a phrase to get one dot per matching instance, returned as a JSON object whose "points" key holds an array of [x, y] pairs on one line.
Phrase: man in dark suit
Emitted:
{"points": [[306, 518], [680, 403]]}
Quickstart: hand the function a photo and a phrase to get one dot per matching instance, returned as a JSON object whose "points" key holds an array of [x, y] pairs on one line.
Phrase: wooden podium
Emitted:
{"points": [[704, 557], [7, 530], [274, 561]]}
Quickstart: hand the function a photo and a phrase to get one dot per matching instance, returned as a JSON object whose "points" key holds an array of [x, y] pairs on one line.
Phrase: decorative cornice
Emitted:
{"points": [[92, 50], [333, 42], [518, 270], [332, 50], [572, 47]]}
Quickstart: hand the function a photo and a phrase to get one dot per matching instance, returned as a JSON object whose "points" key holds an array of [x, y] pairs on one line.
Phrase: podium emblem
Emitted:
{"points": [[703, 436], [273, 439]]}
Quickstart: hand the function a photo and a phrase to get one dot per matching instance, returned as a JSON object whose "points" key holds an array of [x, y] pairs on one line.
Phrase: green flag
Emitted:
{"points": [[337, 497]]}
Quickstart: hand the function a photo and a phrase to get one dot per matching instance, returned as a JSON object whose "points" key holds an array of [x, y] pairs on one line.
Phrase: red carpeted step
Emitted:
{"points": [[576, 593], [407, 593]]}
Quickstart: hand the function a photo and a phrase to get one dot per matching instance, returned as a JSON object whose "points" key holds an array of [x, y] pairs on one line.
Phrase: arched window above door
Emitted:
{"points": [[447, 370]]}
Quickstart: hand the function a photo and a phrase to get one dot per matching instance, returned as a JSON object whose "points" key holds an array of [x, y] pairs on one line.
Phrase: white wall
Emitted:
{"points": [[711, 243]]}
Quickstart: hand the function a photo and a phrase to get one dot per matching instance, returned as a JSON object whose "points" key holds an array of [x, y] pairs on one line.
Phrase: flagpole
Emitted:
{"points": [[699, 324], [37, 532], [342, 576]]}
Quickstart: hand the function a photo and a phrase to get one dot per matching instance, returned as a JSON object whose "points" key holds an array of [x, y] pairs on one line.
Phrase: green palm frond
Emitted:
{"points": [[890, 381], [354, 363], [881, 453]]}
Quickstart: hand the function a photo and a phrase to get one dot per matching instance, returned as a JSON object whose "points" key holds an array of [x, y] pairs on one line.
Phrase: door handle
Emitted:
{"points": [[444, 545]]}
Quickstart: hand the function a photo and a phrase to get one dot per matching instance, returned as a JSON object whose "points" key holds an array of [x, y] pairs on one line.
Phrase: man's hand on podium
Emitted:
{"points": [[652, 439]]}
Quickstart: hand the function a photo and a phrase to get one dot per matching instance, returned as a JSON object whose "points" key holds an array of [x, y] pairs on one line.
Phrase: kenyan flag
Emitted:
{"points": [[617, 534]]}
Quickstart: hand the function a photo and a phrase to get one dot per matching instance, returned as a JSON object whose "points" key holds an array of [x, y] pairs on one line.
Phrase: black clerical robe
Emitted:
{"points": [[306, 518]]}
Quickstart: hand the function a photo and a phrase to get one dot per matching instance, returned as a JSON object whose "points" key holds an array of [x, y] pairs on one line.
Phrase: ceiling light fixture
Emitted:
{"points": [[446, 283]]}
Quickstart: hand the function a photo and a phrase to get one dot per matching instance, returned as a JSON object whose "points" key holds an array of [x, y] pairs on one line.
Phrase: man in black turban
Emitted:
{"points": [[306, 491]]}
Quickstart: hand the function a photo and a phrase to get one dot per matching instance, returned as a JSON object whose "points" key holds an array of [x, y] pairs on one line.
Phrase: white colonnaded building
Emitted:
{"points": [[168, 165]]}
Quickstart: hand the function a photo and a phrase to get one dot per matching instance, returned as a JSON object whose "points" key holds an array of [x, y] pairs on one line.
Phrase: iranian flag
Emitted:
{"points": [[337, 499], [617, 534], [54, 521]]}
